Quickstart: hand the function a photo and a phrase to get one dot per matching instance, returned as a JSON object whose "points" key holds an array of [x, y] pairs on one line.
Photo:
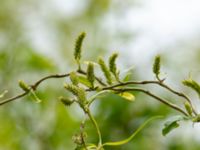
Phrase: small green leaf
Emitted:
{"points": [[83, 80], [133, 135], [127, 74], [171, 124], [127, 77], [35, 97], [196, 118], [128, 96]]}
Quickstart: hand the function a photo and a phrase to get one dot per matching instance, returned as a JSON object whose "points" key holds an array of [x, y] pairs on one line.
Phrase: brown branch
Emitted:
{"points": [[160, 84], [13, 98], [34, 87], [171, 105]]}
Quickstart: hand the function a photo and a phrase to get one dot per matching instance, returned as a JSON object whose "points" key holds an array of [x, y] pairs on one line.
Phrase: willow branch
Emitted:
{"points": [[34, 87], [13, 98], [169, 104], [160, 84]]}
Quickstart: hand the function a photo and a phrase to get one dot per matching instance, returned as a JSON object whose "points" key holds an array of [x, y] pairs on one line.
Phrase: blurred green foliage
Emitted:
{"points": [[26, 125]]}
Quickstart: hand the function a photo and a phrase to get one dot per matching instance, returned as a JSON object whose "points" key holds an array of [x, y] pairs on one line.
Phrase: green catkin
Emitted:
{"points": [[188, 108], [90, 74], [112, 64], [82, 96], [65, 101], [193, 85], [71, 88], [74, 78], [24, 86], [156, 65], [77, 91], [105, 70], [78, 46]]}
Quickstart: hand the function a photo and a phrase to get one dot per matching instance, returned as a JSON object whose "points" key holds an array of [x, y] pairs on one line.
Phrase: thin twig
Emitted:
{"points": [[33, 87], [158, 83], [13, 98], [169, 104]]}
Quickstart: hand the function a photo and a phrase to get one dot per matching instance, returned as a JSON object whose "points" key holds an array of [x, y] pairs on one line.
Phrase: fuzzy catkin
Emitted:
{"points": [[105, 70], [90, 73], [112, 63], [24, 86], [78, 46], [156, 65], [193, 85], [74, 78]]}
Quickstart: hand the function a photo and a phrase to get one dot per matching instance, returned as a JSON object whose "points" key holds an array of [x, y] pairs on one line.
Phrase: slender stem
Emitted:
{"points": [[171, 105], [33, 87], [158, 83], [13, 98], [82, 134], [96, 126]]}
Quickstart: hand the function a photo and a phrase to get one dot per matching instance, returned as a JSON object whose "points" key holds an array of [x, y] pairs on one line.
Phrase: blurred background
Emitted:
{"points": [[37, 39]]}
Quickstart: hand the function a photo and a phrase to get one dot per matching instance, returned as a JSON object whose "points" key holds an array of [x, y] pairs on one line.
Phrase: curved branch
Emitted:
{"points": [[158, 83], [169, 104], [13, 98], [34, 87], [96, 126]]}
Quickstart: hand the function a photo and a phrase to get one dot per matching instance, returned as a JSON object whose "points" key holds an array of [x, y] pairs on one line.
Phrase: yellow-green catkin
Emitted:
{"points": [[90, 74], [77, 91], [188, 107], [112, 65], [71, 88], [105, 70], [156, 65], [24, 86], [66, 101], [78, 46], [74, 78], [193, 85]]}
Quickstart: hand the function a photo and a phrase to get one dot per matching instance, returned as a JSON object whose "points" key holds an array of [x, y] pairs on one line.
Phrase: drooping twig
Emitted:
{"points": [[171, 105], [33, 87], [158, 83]]}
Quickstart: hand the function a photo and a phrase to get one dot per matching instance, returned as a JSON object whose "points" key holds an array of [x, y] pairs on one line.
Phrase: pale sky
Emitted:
{"points": [[158, 24]]}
